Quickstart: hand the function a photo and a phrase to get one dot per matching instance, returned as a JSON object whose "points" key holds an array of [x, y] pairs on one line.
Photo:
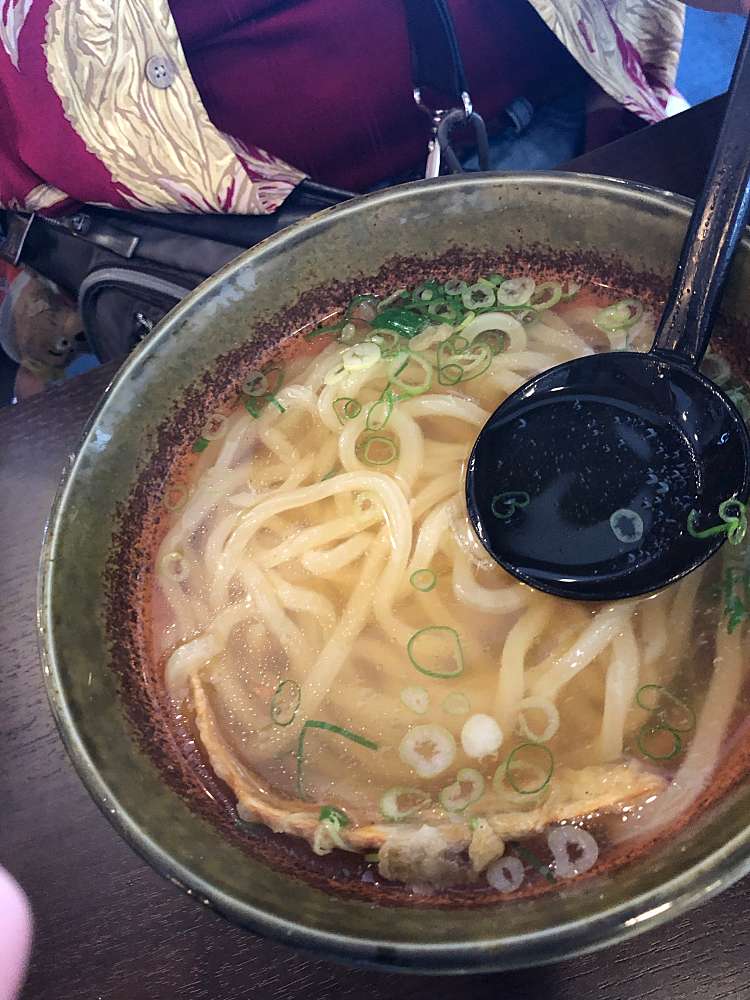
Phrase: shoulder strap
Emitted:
{"points": [[435, 56]]}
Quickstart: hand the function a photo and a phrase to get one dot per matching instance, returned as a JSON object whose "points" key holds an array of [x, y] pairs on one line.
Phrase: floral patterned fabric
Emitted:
{"points": [[80, 120]]}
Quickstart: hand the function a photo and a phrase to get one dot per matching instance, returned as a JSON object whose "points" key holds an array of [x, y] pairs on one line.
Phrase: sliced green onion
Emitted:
{"points": [[648, 731], [444, 310], [458, 343], [532, 860], [201, 444], [327, 836], [330, 728], [402, 321], [447, 662], [215, 427], [175, 497], [346, 408], [515, 292], [361, 357], [416, 699], [734, 526], [349, 333], [504, 505], [401, 802], [455, 286], [335, 815], [496, 279], [329, 475], [429, 750], [371, 302], [479, 295], [552, 721], [388, 341], [546, 295], [175, 566], [494, 340], [570, 290], [619, 316], [456, 703], [541, 770], [285, 702], [428, 291], [652, 698], [401, 369], [423, 579], [377, 450], [256, 384], [380, 412], [322, 331], [465, 790]]}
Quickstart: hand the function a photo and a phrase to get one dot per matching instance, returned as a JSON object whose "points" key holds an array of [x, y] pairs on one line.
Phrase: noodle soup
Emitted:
{"points": [[361, 674]]}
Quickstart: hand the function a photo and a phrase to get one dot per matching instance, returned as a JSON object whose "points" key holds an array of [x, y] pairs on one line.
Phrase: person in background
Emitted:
{"points": [[184, 106], [225, 107]]}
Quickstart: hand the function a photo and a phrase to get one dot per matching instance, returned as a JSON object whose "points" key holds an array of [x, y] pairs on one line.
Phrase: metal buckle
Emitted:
{"points": [[11, 244], [443, 121]]}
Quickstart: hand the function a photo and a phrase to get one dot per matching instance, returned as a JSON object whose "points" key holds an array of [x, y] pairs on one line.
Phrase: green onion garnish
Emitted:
{"points": [[423, 579], [546, 295], [377, 449], [465, 790], [652, 698], [329, 474], [337, 816], [532, 860], [402, 321], [734, 515], [736, 589], [285, 702], [504, 505], [448, 662], [444, 310], [494, 339], [330, 728], [346, 408], [380, 412], [515, 292], [455, 286], [619, 316], [545, 765], [428, 291], [175, 497], [401, 802], [649, 731], [201, 444], [479, 295], [321, 331], [456, 703]]}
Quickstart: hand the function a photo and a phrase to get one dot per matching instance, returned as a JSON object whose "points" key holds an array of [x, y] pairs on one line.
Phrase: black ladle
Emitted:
{"points": [[581, 484]]}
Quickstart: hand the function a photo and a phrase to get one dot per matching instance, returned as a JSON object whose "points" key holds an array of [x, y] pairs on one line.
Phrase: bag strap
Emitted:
{"points": [[436, 65], [435, 56]]}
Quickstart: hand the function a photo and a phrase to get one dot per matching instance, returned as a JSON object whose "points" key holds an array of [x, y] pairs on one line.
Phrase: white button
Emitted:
{"points": [[160, 72]]}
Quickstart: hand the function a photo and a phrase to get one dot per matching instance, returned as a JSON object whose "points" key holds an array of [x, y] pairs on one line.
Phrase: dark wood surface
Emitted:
{"points": [[109, 928]]}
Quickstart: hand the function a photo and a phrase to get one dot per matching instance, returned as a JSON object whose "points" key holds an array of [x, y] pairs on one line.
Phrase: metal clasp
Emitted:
{"points": [[443, 121]]}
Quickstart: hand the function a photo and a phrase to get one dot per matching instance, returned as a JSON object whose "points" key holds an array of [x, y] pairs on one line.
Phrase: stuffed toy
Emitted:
{"points": [[40, 328]]}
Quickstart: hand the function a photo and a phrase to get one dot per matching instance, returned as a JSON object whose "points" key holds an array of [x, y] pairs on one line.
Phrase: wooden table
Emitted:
{"points": [[108, 927]]}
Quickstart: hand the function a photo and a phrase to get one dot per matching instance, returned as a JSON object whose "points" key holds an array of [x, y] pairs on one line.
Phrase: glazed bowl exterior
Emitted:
{"points": [[610, 230]]}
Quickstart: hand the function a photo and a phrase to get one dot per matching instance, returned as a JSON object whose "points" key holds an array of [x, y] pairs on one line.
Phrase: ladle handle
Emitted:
{"points": [[715, 229]]}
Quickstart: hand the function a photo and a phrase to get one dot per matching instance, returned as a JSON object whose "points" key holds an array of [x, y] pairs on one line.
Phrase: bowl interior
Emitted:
{"points": [[96, 556]]}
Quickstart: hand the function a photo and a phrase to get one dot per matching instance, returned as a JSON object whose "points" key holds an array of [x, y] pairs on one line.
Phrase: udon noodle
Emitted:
{"points": [[361, 673]]}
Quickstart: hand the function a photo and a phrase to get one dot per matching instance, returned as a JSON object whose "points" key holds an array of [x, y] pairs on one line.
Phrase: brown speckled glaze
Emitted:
{"points": [[542, 224]]}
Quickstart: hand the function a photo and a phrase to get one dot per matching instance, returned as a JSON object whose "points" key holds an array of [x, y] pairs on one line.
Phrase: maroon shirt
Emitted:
{"points": [[326, 84]]}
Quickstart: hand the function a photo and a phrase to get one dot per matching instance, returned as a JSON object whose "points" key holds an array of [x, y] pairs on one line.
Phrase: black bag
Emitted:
{"points": [[127, 270]]}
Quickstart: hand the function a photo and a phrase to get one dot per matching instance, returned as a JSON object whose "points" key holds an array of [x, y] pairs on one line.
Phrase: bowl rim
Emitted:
{"points": [[645, 911]]}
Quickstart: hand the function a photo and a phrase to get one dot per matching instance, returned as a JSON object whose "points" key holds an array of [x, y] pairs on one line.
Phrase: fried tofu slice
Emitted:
{"points": [[428, 853]]}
